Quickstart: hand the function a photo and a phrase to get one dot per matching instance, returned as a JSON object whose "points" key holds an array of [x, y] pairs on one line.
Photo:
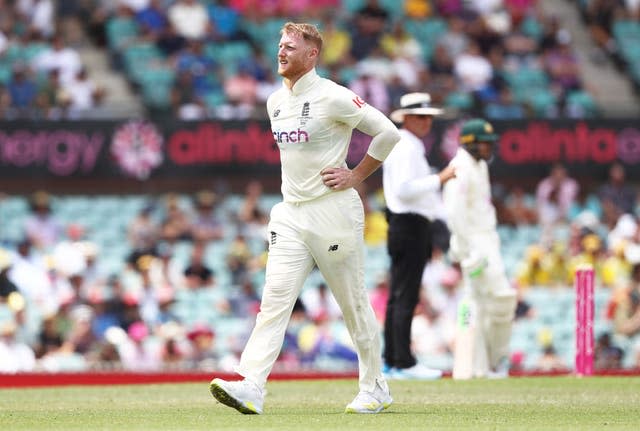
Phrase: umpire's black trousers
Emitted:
{"points": [[409, 245]]}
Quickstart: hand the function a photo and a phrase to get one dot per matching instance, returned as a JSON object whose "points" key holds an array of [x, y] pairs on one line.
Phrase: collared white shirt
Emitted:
{"points": [[408, 182], [312, 125]]}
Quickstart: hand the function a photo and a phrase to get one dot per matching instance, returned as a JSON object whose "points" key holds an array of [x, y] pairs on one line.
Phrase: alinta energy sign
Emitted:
{"points": [[146, 150]]}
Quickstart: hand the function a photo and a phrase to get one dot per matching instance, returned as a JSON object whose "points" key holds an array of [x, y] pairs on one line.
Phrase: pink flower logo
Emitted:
{"points": [[137, 148]]}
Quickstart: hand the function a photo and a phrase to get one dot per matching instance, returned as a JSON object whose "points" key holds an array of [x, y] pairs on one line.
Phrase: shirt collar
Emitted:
{"points": [[305, 82]]}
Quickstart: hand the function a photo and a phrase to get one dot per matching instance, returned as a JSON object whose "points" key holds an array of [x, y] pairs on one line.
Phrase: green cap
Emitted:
{"points": [[477, 130]]}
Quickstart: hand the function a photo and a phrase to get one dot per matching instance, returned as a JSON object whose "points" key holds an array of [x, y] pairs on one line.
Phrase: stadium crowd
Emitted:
{"points": [[214, 59], [191, 309]]}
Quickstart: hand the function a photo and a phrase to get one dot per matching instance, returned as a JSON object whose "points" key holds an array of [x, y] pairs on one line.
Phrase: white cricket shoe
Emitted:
{"points": [[417, 372], [501, 371], [243, 395], [371, 402]]}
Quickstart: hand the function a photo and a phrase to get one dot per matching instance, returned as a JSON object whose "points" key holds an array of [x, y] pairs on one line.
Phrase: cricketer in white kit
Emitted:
{"points": [[489, 301], [320, 221]]}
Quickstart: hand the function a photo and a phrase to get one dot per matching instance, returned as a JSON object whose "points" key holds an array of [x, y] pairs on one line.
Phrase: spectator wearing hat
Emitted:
{"points": [[137, 353], [15, 356], [412, 194], [203, 355]]}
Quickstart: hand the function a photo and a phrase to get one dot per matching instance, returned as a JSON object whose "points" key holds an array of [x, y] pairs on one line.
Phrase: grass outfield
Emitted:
{"points": [[532, 403]]}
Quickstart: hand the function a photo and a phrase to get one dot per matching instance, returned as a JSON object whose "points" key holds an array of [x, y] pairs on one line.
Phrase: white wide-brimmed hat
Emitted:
{"points": [[416, 104]]}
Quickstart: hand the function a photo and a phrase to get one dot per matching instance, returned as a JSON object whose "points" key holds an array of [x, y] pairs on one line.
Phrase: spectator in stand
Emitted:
{"points": [[185, 102], [202, 68], [600, 16], [379, 296], [504, 108], [83, 93], [241, 91], [170, 42], [226, 21], [205, 225], [176, 225], [22, 91], [554, 196], [626, 314], [252, 218], [202, 355], [39, 16], [405, 53], [7, 286], [257, 65], [562, 66], [368, 25], [61, 57], [454, 41], [534, 270], [320, 304], [238, 259], [143, 233], [472, 70], [15, 356], [617, 191], [135, 5], [244, 300], [337, 43], [519, 208], [42, 228], [521, 51], [375, 222], [152, 19], [371, 88], [51, 101], [197, 273], [267, 86], [550, 361], [427, 335], [608, 356], [591, 253], [137, 353], [190, 19], [418, 9]]}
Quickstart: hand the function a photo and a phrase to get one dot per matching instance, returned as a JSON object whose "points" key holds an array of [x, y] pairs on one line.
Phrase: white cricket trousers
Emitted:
{"points": [[495, 302], [327, 232]]}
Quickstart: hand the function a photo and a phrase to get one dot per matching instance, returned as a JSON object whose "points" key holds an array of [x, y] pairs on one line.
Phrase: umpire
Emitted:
{"points": [[412, 195]]}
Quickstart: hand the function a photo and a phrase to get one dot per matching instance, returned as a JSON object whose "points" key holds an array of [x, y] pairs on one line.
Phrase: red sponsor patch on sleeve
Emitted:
{"points": [[358, 101]]}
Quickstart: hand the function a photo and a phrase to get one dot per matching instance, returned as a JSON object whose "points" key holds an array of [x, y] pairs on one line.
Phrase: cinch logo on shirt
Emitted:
{"points": [[294, 136]]}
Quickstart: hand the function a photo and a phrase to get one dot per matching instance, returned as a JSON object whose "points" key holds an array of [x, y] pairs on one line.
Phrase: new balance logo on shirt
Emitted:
{"points": [[333, 247]]}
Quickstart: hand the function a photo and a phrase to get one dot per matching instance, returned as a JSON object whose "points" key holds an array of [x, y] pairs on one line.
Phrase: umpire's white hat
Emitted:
{"points": [[416, 104]]}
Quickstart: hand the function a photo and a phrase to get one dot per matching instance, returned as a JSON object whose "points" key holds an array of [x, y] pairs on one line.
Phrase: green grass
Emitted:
{"points": [[537, 403]]}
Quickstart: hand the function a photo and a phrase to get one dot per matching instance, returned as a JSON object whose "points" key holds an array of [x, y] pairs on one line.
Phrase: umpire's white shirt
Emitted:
{"points": [[312, 125], [408, 182]]}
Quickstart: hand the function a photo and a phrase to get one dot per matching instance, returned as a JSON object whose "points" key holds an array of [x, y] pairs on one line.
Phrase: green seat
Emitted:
{"points": [[543, 103], [120, 30], [459, 100], [5, 73], [581, 103]]}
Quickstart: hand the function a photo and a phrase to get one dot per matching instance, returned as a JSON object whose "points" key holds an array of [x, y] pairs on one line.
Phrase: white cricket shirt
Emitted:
{"points": [[467, 197], [312, 125], [408, 182]]}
